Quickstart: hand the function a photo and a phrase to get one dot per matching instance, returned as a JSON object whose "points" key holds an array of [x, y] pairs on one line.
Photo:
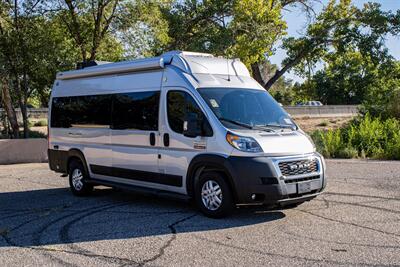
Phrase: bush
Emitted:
{"points": [[36, 134], [323, 124], [363, 137], [40, 123], [32, 134]]}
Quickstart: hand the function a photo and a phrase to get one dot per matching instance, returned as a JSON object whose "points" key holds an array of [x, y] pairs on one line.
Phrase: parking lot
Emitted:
{"points": [[355, 222]]}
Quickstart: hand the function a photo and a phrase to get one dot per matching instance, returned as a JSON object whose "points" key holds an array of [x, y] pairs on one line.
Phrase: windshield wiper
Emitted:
{"points": [[248, 126], [237, 123], [292, 127]]}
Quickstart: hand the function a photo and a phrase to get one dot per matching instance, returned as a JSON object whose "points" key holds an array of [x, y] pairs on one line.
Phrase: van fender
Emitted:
{"points": [[76, 153], [209, 162]]}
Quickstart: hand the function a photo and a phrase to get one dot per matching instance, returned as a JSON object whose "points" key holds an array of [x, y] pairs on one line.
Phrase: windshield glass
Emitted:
{"points": [[246, 108]]}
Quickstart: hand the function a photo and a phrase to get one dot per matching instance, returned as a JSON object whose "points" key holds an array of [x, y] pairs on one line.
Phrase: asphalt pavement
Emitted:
{"points": [[355, 222]]}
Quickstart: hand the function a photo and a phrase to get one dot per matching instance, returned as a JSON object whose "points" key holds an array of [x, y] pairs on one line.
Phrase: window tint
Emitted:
{"points": [[176, 110], [180, 103], [81, 111], [137, 111]]}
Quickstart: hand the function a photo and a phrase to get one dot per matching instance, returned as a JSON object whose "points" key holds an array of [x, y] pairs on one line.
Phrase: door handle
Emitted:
{"points": [[166, 139], [75, 134], [152, 139]]}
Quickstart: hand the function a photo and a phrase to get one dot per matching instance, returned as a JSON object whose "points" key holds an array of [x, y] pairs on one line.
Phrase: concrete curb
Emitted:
{"points": [[23, 151]]}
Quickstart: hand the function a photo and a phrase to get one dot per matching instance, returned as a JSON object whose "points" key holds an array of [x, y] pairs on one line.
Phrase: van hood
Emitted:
{"points": [[283, 143]]}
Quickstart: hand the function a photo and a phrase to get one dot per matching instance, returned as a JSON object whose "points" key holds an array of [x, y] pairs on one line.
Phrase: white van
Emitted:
{"points": [[184, 124]]}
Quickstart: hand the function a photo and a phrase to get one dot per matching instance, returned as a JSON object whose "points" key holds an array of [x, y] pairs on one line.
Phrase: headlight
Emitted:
{"points": [[246, 144]]}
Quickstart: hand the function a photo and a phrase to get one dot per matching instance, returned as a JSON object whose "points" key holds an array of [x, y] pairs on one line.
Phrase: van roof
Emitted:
{"points": [[189, 62]]}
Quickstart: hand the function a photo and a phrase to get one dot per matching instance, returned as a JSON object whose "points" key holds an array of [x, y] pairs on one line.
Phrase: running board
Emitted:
{"points": [[140, 189]]}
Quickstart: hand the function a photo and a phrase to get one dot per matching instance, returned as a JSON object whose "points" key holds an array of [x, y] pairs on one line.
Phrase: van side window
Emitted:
{"points": [[180, 103], [81, 111], [136, 111]]}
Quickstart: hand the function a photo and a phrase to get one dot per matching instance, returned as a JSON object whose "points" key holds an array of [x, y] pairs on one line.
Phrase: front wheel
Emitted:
{"points": [[213, 195]]}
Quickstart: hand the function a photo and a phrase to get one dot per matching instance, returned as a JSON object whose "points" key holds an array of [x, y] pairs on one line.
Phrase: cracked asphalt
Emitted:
{"points": [[355, 222]]}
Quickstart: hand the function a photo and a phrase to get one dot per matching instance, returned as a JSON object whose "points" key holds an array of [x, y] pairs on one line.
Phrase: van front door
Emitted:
{"points": [[176, 149]]}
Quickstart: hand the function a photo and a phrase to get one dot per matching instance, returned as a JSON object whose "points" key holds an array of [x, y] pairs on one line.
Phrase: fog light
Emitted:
{"points": [[253, 196]]}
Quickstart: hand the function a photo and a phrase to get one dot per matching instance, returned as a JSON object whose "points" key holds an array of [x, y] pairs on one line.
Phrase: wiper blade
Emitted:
{"points": [[248, 126], [281, 126], [237, 123]]}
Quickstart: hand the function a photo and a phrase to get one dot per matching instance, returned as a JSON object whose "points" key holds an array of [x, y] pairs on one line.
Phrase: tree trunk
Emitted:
{"points": [[24, 113], [279, 73], [23, 105], [255, 69], [7, 103]]}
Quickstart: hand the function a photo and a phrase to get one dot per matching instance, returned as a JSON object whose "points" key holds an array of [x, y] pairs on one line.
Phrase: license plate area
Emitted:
{"points": [[304, 187]]}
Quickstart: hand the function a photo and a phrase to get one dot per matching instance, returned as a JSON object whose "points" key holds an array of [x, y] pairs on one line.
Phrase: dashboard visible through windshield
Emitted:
{"points": [[246, 108]]}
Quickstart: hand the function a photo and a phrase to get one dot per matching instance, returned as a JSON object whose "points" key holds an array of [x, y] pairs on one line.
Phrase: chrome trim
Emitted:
{"points": [[277, 160], [297, 199]]}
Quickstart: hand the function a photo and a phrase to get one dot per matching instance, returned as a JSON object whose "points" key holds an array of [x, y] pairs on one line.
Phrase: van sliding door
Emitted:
{"points": [[133, 139]]}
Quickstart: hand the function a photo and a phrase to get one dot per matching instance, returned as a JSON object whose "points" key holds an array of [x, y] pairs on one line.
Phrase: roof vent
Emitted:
{"points": [[186, 53], [91, 63]]}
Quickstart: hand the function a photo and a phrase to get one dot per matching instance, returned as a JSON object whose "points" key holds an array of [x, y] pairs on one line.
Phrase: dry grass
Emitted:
{"points": [[311, 124]]}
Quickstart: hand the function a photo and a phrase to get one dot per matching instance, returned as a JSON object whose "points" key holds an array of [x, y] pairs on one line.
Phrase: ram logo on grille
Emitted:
{"points": [[295, 167], [298, 167]]}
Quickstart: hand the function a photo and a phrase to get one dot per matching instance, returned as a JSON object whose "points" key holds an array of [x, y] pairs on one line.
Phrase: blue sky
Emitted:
{"points": [[297, 21]]}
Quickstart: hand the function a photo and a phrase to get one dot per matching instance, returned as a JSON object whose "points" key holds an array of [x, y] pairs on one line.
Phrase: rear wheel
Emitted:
{"points": [[78, 179], [213, 195]]}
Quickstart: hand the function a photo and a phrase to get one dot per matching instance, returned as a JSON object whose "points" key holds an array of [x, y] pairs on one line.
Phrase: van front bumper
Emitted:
{"points": [[263, 180]]}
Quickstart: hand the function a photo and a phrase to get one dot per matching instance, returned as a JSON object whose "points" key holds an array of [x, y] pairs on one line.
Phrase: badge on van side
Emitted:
{"points": [[199, 145]]}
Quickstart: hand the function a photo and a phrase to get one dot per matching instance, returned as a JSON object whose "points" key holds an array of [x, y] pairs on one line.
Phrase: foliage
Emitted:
{"points": [[349, 43], [247, 29], [40, 123], [256, 26], [32, 134], [364, 137], [142, 29]]}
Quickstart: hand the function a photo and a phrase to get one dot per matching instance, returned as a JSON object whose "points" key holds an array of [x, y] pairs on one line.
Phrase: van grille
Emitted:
{"points": [[298, 167]]}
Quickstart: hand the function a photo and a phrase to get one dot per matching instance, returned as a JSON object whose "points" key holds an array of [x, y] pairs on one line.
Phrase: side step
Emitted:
{"points": [[143, 190]]}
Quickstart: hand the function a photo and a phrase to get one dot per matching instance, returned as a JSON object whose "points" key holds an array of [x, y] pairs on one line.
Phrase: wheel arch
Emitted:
{"points": [[75, 153], [209, 162]]}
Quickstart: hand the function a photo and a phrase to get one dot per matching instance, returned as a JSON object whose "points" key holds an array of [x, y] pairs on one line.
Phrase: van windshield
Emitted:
{"points": [[246, 108]]}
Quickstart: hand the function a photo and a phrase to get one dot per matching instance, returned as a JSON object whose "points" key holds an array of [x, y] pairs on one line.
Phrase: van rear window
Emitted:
{"points": [[81, 111], [138, 111]]}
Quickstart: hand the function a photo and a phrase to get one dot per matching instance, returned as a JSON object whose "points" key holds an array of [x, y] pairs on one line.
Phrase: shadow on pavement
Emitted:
{"points": [[55, 216]]}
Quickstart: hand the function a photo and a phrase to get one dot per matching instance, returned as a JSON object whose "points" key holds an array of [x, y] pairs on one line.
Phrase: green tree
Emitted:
{"points": [[88, 23], [340, 26]]}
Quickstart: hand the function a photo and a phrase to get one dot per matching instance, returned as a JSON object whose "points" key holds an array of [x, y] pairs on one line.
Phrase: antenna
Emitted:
{"points": [[227, 65]]}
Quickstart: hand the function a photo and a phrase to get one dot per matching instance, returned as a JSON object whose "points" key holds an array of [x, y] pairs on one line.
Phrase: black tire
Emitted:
{"points": [[227, 204], [84, 189]]}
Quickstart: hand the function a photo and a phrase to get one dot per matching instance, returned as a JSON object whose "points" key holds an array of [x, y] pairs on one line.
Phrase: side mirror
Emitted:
{"points": [[192, 125]]}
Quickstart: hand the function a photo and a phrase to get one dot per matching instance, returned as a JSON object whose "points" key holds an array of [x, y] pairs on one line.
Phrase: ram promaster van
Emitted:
{"points": [[184, 124]]}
